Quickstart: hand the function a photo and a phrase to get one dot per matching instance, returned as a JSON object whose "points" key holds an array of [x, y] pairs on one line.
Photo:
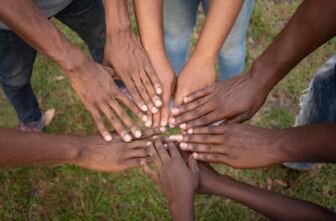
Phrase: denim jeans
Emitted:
{"points": [[179, 21], [318, 104], [85, 17]]}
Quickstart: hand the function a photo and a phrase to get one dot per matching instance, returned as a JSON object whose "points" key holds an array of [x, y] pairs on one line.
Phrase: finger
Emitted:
{"points": [[174, 153], [154, 154], [116, 123], [137, 144], [149, 122], [198, 94], [125, 118], [150, 89], [211, 158], [204, 120], [186, 107], [203, 138], [165, 109], [143, 93], [154, 79], [156, 119], [163, 154], [208, 130], [136, 153], [150, 172], [237, 119], [200, 148], [192, 164], [191, 115], [152, 132], [100, 125], [131, 105], [135, 96]]}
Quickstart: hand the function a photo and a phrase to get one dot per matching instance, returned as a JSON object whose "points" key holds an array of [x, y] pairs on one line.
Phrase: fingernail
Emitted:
{"points": [[164, 123], [184, 146], [142, 163], [137, 133], [183, 126], [195, 155], [127, 138], [172, 137], [179, 137], [145, 118], [171, 125], [148, 143], [154, 110], [185, 100], [108, 137], [158, 102], [158, 90], [175, 111], [172, 120], [190, 131], [148, 123], [144, 107], [162, 129]]}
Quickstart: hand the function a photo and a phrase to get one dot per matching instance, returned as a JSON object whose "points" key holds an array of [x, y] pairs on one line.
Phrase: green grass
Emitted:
{"points": [[70, 193]]}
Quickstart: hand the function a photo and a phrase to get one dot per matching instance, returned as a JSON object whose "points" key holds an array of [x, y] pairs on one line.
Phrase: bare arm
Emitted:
{"points": [[27, 20], [124, 52], [239, 98], [199, 71], [92, 82], [233, 144], [149, 15], [19, 149], [270, 204]]}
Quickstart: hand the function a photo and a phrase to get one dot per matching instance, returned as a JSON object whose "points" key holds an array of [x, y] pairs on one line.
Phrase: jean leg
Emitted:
{"points": [[318, 105], [232, 55], [179, 21], [87, 19], [16, 65]]}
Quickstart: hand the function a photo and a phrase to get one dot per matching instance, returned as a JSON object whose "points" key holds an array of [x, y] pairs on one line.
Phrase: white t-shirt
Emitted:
{"points": [[48, 7]]}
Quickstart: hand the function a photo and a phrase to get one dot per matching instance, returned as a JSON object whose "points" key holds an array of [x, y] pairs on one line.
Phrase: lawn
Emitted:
{"points": [[71, 193]]}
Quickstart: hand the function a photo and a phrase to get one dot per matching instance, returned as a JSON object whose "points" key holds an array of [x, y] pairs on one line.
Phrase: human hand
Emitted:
{"points": [[95, 87], [171, 167], [167, 77], [237, 145], [234, 101], [114, 156], [127, 57], [196, 74]]}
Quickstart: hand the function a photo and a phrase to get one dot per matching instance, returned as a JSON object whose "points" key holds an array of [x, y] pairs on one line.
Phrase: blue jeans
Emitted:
{"points": [[86, 17], [179, 21], [318, 104]]}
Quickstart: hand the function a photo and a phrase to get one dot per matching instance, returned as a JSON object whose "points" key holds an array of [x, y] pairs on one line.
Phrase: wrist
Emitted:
{"points": [[204, 56], [264, 72], [182, 209]]}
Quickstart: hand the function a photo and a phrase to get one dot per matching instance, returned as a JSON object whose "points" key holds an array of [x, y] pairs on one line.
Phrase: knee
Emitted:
{"points": [[15, 78]]}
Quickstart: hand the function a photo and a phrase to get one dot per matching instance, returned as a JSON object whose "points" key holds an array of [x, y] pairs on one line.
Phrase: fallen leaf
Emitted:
{"points": [[281, 183], [49, 116], [59, 78]]}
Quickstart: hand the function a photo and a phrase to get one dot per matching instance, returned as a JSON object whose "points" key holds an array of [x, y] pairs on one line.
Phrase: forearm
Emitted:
{"points": [[311, 26], [182, 210], [117, 19], [149, 15], [314, 143], [220, 19], [28, 149], [271, 204], [27, 20]]}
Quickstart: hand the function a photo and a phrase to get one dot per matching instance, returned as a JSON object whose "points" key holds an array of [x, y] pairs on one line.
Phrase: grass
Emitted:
{"points": [[70, 193]]}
